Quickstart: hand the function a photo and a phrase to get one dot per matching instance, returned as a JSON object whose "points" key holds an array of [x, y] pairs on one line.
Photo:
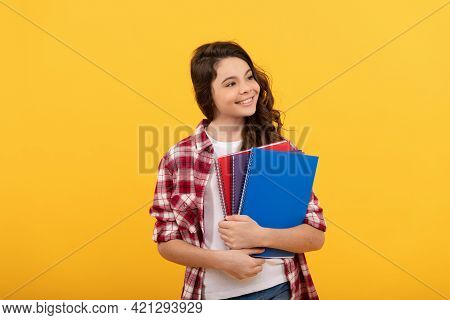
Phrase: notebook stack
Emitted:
{"points": [[271, 184]]}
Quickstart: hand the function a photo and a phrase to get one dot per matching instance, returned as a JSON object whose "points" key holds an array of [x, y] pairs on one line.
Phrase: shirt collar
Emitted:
{"points": [[202, 141]]}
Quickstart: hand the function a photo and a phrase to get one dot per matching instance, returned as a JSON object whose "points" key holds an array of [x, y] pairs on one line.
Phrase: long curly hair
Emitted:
{"points": [[265, 125]]}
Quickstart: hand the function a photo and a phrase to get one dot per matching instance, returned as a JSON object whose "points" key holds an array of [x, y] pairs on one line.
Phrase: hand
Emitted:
{"points": [[239, 264], [240, 232]]}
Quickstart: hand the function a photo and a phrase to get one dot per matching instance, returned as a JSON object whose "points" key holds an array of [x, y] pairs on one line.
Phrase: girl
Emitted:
{"points": [[190, 229]]}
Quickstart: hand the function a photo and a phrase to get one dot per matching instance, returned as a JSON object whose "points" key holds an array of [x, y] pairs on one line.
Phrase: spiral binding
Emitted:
{"points": [[219, 180], [233, 196], [244, 187]]}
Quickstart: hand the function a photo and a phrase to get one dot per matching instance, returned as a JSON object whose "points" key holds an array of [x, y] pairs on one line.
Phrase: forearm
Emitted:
{"points": [[181, 252], [302, 238]]}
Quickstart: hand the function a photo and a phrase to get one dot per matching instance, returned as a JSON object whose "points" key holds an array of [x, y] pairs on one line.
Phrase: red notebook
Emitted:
{"points": [[224, 172]]}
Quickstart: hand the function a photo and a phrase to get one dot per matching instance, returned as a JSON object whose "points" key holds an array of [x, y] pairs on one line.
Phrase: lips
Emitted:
{"points": [[246, 101]]}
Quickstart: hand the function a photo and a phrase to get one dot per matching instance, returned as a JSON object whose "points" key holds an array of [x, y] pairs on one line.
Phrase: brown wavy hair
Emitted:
{"points": [[265, 125]]}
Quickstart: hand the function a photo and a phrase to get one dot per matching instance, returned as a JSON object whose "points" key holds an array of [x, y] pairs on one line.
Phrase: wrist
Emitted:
{"points": [[265, 237], [217, 259]]}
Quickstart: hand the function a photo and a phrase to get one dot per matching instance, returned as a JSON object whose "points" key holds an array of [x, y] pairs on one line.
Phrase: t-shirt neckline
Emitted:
{"points": [[223, 142]]}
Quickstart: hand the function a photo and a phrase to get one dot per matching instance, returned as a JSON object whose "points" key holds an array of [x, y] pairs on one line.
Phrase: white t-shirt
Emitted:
{"points": [[218, 284]]}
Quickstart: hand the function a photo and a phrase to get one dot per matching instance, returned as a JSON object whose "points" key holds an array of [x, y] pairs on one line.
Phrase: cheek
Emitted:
{"points": [[256, 87], [225, 100], [228, 102]]}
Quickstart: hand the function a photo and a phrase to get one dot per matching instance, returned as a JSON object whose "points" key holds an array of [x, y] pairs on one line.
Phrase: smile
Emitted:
{"points": [[247, 102]]}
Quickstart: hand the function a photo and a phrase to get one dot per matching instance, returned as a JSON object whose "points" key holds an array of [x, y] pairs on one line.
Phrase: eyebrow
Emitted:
{"points": [[233, 77]]}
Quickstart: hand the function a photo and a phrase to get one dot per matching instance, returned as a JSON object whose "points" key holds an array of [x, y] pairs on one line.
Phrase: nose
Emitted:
{"points": [[244, 88]]}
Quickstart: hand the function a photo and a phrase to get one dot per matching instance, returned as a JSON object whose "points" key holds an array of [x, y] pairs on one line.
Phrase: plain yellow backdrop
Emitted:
{"points": [[79, 79]]}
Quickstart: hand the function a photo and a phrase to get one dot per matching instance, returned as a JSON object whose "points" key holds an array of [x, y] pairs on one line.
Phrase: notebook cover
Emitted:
{"points": [[220, 185], [224, 164], [239, 169], [239, 163], [225, 174], [277, 191]]}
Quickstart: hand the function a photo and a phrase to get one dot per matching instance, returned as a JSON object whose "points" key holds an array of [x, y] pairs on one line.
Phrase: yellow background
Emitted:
{"points": [[78, 79]]}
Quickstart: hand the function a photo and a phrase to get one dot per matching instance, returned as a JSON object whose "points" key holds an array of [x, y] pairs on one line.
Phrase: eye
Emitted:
{"points": [[228, 84]]}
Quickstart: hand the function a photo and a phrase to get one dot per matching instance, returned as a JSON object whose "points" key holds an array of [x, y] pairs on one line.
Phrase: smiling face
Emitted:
{"points": [[232, 89]]}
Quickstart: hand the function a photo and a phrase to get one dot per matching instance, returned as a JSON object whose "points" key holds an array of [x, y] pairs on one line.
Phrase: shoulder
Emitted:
{"points": [[179, 151]]}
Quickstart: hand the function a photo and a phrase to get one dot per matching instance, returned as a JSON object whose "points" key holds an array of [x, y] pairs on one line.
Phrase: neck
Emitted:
{"points": [[226, 129]]}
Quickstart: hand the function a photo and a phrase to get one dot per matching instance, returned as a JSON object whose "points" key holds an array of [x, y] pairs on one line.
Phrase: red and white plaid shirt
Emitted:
{"points": [[178, 208]]}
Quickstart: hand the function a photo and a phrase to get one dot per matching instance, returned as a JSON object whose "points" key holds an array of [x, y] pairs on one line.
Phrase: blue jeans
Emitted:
{"points": [[279, 292]]}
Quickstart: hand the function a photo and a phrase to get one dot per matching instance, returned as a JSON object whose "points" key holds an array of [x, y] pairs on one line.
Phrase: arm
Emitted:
{"points": [[237, 263], [170, 241], [302, 238], [181, 252], [240, 231]]}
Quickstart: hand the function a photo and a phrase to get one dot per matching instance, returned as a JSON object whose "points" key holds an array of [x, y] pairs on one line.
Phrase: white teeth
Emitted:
{"points": [[246, 101]]}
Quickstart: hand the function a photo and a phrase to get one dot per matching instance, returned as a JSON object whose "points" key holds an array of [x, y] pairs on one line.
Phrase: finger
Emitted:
{"points": [[229, 244], [258, 250], [257, 269], [237, 217], [227, 241], [224, 231], [253, 251], [225, 224], [260, 262], [222, 224]]}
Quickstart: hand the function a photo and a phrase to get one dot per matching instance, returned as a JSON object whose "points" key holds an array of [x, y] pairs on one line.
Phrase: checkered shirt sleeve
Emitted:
{"points": [[166, 227]]}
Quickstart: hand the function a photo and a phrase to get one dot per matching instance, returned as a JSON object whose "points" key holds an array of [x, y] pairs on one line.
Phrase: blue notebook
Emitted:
{"points": [[277, 190]]}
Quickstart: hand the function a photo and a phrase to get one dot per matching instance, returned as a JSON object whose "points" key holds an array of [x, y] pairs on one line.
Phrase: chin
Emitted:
{"points": [[249, 113], [244, 111]]}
